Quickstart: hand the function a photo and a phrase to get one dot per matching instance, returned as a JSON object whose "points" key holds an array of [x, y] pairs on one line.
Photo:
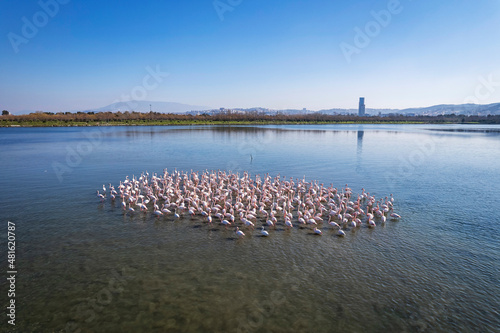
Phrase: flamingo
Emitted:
{"points": [[219, 215], [249, 223], [334, 224], [317, 231], [101, 196], [264, 232], [239, 233]]}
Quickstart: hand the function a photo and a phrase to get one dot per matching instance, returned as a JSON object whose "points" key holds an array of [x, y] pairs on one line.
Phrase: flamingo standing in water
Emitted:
{"points": [[226, 223], [395, 216], [334, 224], [263, 232], [248, 223], [239, 233], [101, 196], [317, 231], [165, 210]]}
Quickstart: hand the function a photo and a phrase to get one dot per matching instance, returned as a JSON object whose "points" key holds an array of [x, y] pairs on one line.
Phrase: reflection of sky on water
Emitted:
{"points": [[443, 181]]}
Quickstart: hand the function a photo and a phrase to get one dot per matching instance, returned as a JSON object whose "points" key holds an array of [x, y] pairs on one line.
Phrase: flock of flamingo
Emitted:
{"points": [[235, 201]]}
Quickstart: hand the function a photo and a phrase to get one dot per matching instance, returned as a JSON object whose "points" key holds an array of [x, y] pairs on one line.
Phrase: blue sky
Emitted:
{"points": [[276, 54]]}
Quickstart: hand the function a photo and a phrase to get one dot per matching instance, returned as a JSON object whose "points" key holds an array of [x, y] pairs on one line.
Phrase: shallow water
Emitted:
{"points": [[85, 265]]}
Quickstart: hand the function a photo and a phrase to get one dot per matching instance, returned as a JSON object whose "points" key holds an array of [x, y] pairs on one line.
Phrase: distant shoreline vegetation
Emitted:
{"points": [[48, 119]]}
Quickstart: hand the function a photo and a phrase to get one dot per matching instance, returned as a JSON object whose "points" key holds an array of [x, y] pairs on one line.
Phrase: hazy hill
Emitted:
{"points": [[467, 109], [144, 106]]}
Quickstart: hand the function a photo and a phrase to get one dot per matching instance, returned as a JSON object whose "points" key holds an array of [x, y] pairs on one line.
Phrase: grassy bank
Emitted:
{"points": [[158, 119]]}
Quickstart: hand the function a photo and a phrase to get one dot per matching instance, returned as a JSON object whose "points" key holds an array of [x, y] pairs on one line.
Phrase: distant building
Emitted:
{"points": [[361, 110]]}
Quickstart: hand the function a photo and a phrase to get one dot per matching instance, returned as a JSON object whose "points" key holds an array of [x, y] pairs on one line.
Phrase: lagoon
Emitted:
{"points": [[83, 264]]}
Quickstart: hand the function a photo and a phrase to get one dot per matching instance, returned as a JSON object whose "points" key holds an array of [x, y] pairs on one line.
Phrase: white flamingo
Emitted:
{"points": [[239, 233], [101, 196]]}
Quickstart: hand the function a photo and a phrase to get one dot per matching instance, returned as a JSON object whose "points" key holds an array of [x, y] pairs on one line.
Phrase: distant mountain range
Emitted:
{"points": [[146, 106], [139, 106], [466, 109], [171, 107]]}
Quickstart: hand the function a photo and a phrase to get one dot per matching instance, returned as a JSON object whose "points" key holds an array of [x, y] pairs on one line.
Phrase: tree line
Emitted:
{"points": [[133, 117]]}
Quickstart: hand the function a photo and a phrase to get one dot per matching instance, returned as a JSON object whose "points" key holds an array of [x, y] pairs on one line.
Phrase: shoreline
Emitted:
{"points": [[233, 123], [210, 123]]}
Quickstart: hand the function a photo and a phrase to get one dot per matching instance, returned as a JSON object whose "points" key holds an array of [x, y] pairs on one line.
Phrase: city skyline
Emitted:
{"points": [[61, 55]]}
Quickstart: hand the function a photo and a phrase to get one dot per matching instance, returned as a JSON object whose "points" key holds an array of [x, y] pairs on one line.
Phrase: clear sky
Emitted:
{"points": [[243, 53]]}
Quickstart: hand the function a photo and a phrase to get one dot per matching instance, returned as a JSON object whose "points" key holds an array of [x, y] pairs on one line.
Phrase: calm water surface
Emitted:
{"points": [[85, 265]]}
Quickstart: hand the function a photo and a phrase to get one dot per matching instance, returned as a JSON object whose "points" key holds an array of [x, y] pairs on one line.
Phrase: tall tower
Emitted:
{"points": [[361, 110]]}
